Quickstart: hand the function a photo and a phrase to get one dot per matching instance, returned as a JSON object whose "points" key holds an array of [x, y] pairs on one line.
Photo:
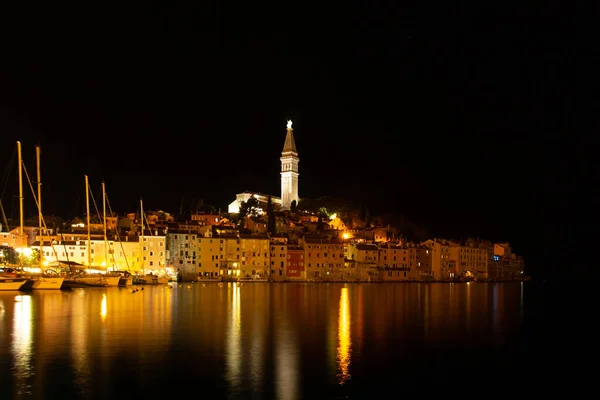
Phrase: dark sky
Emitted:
{"points": [[456, 122]]}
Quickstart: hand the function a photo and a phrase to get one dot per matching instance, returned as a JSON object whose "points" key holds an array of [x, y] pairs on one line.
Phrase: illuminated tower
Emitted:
{"points": [[289, 170]]}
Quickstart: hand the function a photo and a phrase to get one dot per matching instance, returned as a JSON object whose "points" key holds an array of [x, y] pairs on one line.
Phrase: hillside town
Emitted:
{"points": [[261, 237]]}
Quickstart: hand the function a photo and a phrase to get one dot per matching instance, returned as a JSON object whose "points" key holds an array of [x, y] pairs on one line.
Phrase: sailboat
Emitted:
{"points": [[147, 279], [11, 284], [125, 277], [83, 278], [35, 281]]}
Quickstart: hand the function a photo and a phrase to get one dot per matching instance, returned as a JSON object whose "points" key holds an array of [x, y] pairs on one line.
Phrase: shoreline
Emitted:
{"points": [[206, 281]]}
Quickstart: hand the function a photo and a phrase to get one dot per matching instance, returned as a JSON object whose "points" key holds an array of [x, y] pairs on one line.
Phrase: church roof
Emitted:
{"points": [[290, 144]]}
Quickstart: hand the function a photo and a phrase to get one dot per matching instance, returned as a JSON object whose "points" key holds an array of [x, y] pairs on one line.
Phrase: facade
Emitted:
{"points": [[129, 254], [469, 258], [279, 258], [289, 170], [295, 263], [506, 264], [322, 257], [439, 258], [12, 239]]}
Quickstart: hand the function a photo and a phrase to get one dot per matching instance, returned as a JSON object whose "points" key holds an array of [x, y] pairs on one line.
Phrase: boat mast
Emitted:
{"points": [[104, 222], [89, 240], [21, 224], [142, 236], [39, 204]]}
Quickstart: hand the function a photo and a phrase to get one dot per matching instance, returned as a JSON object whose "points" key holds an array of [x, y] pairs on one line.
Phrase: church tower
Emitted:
{"points": [[289, 170]]}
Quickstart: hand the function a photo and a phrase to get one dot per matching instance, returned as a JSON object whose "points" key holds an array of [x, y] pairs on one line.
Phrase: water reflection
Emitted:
{"points": [[21, 343], [295, 340], [344, 341], [79, 337], [468, 307], [234, 339], [103, 306], [286, 362]]}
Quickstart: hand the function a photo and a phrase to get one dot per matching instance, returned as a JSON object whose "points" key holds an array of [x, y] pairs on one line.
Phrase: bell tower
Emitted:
{"points": [[289, 170]]}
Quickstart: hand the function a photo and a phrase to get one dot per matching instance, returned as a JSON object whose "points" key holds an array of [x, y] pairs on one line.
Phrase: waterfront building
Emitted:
{"points": [[469, 258], [322, 256], [439, 258], [255, 260], [130, 254], [507, 265], [279, 258]]}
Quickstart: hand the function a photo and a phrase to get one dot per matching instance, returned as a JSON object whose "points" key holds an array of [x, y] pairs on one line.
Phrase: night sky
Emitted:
{"points": [[458, 123]]}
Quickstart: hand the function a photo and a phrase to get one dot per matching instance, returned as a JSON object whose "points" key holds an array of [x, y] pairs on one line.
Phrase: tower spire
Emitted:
{"points": [[289, 170], [290, 144]]}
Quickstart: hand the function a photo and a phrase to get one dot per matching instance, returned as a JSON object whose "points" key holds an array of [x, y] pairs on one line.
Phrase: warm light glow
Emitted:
{"points": [[26, 251], [104, 263], [289, 124], [344, 340], [333, 216], [103, 306], [21, 340], [234, 340], [345, 235]]}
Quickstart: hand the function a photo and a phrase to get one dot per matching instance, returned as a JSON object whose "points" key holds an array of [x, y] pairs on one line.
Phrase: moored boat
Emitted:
{"points": [[43, 282], [9, 284], [150, 279]]}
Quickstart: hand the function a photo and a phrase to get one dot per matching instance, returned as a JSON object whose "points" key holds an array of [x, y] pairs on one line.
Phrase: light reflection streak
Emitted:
{"points": [[21, 341], [344, 340], [103, 307], [286, 364], [469, 307], [79, 337], [234, 342]]}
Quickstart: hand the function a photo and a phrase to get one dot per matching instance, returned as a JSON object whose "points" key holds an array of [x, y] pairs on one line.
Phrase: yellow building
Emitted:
{"points": [[471, 258], [125, 255], [396, 261], [439, 258], [254, 256], [184, 250], [209, 257], [278, 258], [322, 257]]}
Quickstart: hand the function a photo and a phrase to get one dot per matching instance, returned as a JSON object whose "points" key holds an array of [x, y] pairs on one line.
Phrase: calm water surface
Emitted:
{"points": [[284, 341]]}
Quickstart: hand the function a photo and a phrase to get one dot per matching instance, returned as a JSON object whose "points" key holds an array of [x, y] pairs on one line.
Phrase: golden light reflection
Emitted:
{"points": [[103, 307], [22, 338], [234, 340], [79, 336], [286, 363], [469, 307], [344, 340]]}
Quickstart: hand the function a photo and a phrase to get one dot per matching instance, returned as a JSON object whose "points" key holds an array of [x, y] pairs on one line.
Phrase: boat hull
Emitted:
{"points": [[125, 281], [93, 281], [43, 283], [11, 284], [151, 280]]}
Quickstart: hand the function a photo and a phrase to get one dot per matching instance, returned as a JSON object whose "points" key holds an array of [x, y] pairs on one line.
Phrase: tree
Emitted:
{"points": [[247, 208], [271, 215], [293, 206], [8, 255]]}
